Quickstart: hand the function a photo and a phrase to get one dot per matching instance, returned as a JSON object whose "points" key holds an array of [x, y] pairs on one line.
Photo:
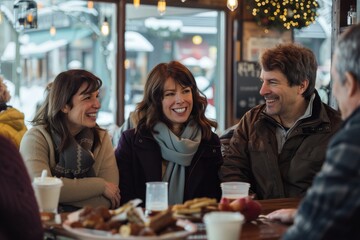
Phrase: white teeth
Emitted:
{"points": [[179, 110], [92, 114]]}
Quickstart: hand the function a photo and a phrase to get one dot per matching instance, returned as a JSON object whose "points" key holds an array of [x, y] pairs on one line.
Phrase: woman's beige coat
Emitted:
{"points": [[38, 152]]}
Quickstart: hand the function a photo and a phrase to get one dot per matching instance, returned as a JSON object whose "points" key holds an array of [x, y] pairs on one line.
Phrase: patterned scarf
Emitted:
{"points": [[179, 152], [76, 159]]}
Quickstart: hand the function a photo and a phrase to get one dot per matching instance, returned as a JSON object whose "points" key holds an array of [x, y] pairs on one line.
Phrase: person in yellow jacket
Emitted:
{"points": [[12, 124]]}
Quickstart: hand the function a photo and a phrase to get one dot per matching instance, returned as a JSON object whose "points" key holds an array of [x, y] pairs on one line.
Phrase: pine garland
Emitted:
{"points": [[283, 14]]}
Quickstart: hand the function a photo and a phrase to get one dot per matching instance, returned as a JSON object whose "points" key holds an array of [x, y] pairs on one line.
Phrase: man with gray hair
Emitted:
{"points": [[331, 207]]}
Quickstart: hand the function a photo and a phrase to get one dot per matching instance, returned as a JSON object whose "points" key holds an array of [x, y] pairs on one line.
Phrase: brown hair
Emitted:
{"points": [[149, 110], [296, 62], [60, 93]]}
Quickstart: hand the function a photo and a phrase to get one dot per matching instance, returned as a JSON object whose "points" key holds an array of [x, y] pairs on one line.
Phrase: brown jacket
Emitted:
{"points": [[252, 155]]}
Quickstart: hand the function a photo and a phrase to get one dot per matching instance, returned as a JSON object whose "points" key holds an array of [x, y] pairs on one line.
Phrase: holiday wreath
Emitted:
{"points": [[283, 14]]}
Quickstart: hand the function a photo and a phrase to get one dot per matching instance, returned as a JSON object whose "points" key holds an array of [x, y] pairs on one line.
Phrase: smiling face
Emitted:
{"points": [[177, 104], [83, 111], [282, 100]]}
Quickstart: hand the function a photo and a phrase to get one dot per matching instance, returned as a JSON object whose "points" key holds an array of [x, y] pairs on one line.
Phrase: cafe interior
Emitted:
{"points": [[120, 41]]}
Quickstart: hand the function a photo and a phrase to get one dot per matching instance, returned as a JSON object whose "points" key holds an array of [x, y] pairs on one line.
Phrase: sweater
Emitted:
{"points": [[20, 217], [38, 151]]}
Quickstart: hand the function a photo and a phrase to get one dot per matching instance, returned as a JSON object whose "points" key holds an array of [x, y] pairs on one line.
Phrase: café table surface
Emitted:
{"points": [[259, 229]]}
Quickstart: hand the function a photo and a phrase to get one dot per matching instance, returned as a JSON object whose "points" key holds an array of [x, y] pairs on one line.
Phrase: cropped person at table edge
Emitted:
{"points": [[67, 142], [331, 207], [172, 141], [279, 146], [20, 218]]}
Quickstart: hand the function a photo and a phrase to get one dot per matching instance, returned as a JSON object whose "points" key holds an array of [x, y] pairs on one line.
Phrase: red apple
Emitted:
{"points": [[224, 204], [238, 204], [251, 209]]}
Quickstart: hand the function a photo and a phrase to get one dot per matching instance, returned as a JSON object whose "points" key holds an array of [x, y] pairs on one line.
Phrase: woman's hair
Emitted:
{"points": [[296, 62], [58, 94], [149, 110], [4, 93]]}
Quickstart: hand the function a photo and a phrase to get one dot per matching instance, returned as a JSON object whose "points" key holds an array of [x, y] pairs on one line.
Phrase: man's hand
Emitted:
{"points": [[283, 215]]}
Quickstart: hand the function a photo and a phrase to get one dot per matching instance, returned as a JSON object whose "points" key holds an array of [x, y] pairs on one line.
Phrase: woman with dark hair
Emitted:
{"points": [[172, 141], [66, 141]]}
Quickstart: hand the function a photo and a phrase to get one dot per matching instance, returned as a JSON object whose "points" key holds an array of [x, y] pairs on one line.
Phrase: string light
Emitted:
{"points": [[90, 4], [284, 14], [52, 30], [232, 4], [136, 3], [105, 28], [161, 7]]}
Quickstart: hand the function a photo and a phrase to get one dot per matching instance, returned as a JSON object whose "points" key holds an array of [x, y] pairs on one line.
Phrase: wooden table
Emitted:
{"points": [[265, 229], [259, 229]]}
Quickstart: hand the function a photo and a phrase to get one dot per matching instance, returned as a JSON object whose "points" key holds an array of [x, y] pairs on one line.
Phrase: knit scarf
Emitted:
{"points": [[76, 159], [179, 153]]}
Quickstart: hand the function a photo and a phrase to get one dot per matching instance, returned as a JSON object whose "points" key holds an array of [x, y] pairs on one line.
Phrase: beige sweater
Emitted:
{"points": [[37, 150]]}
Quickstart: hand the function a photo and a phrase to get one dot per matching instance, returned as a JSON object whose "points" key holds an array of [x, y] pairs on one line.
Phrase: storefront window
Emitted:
{"points": [[191, 36], [69, 35]]}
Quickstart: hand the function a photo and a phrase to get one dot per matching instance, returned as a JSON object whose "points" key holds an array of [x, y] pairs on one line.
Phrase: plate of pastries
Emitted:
{"points": [[127, 223]]}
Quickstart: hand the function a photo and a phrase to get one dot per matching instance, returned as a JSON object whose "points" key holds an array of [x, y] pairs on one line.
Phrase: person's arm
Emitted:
{"points": [[108, 170], [331, 206], [19, 209], [283, 215], [38, 153], [236, 165]]}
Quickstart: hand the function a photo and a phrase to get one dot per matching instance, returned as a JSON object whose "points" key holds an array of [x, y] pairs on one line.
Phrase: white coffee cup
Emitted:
{"points": [[47, 192], [235, 190], [223, 225], [156, 197]]}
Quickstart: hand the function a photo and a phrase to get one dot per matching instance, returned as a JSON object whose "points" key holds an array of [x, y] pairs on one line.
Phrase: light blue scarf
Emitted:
{"points": [[179, 152]]}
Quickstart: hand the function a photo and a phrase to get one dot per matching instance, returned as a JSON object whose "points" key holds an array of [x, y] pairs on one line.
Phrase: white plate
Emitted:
{"points": [[90, 234]]}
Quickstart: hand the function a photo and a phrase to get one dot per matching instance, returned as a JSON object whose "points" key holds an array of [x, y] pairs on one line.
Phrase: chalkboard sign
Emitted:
{"points": [[247, 87]]}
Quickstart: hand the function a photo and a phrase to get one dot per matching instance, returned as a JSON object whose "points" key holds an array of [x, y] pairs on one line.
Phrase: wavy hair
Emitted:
{"points": [[149, 110], [58, 94], [296, 62]]}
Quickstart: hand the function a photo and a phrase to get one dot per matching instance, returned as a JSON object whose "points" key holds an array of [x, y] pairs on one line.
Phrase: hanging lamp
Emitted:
{"points": [[25, 14]]}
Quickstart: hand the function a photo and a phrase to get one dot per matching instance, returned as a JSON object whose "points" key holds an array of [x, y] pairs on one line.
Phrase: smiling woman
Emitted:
{"points": [[173, 140], [66, 141]]}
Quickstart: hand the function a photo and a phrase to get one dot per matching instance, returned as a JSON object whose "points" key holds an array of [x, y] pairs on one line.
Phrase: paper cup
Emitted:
{"points": [[47, 192], [223, 225], [156, 197], [235, 190]]}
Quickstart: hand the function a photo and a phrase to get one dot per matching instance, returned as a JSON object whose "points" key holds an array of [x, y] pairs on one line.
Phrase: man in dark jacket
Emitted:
{"points": [[331, 207], [279, 146]]}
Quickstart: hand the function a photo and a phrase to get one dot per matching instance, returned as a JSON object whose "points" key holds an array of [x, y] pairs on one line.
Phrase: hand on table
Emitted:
{"points": [[112, 192], [283, 215]]}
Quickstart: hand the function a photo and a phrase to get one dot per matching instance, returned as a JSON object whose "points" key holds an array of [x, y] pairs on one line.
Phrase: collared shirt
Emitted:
{"points": [[331, 208], [282, 133]]}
